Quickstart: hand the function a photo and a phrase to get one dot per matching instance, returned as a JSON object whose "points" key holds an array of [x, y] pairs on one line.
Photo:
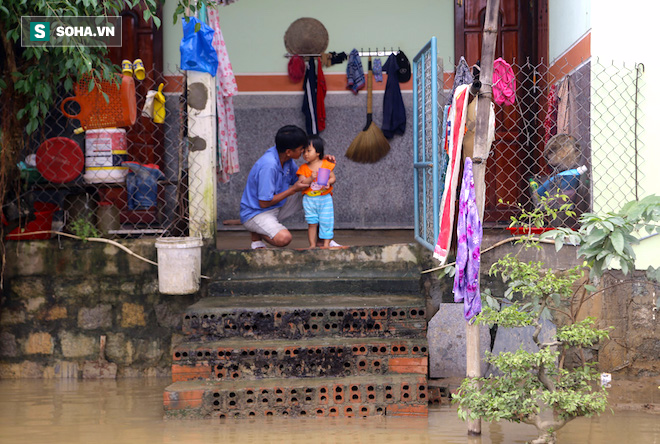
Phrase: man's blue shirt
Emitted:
{"points": [[266, 179]]}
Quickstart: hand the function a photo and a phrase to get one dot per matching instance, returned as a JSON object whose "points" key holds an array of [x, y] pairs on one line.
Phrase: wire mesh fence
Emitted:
{"points": [[572, 130], [88, 167]]}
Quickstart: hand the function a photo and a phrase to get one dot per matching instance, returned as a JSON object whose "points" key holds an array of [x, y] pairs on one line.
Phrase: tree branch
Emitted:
{"points": [[9, 52]]}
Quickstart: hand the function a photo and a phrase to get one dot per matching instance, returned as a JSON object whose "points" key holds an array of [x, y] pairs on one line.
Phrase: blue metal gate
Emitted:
{"points": [[427, 142]]}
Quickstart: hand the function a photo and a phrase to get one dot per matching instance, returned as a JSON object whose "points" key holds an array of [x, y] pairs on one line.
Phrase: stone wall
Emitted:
{"points": [[58, 298], [629, 304], [57, 302]]}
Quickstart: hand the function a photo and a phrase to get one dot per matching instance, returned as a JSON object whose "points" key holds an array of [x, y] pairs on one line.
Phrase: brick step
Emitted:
{"points": [[400, 260], [315, 285], [325, 357], [392, 395], [300, 316]]}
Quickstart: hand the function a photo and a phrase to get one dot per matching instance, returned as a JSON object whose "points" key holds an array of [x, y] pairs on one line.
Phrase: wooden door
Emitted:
{"points": [[521, 41]]}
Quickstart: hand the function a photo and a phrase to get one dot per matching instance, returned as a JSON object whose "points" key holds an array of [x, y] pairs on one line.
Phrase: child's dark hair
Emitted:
{"points": [[290, 137], [317, 143]]}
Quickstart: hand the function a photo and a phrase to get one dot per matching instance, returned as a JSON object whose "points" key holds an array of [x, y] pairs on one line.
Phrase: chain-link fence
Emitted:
{"points": [[572, 130], [87, 167]]}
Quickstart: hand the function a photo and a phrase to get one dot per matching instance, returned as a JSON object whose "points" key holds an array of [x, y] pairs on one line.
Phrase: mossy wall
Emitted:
{"points": [[59, 298]]}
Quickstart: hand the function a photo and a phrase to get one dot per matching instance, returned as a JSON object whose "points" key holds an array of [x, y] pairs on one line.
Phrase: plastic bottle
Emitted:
{"points": [[566, 180], [533, 184]]}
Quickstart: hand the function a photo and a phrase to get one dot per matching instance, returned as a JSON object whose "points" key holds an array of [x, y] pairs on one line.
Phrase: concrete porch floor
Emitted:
{"points": [[239, 239]]}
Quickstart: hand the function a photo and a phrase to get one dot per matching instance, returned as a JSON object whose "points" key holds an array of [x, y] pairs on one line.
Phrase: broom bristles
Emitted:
{"points": [[369, 146]]}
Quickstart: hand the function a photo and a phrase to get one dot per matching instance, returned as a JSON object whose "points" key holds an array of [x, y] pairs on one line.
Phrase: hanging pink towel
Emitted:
{"points": [[504, 83], [226, 88]]}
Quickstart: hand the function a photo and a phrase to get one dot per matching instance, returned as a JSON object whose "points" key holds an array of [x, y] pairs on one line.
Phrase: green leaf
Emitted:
{"points": [[624, 267], [590, 288], [653, 274], [617, 241], [608, 225]]}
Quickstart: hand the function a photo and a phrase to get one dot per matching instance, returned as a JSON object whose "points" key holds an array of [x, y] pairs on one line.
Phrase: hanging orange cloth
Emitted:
{"points": [[321, 89]]}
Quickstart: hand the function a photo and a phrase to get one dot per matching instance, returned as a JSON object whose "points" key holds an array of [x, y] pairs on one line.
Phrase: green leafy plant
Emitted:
{"points": [[84, 229], [537, 387]]}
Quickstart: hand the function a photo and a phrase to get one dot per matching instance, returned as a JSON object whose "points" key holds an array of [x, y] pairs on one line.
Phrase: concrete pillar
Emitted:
{"points": [[202, 156]]}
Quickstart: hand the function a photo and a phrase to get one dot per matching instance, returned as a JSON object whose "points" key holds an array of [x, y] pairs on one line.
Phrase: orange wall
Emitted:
{"points": [[572, 58]]}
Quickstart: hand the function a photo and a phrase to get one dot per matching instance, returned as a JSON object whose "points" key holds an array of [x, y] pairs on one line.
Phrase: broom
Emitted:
{"points": [[370, 145]]}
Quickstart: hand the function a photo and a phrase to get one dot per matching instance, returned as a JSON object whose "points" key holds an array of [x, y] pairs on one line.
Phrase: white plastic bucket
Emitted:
{"points": [[179, 264], [105, 150]]}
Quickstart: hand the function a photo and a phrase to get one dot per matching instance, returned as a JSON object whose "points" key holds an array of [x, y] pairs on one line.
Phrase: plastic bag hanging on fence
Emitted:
{"points": [[142, 186], [197, 52]]}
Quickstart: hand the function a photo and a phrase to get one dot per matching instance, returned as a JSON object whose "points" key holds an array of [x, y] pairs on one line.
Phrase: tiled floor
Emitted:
{"points": [[240, 239]]}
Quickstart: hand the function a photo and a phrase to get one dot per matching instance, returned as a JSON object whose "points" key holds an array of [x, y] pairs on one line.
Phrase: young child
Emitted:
{"points": [[317, 199]]}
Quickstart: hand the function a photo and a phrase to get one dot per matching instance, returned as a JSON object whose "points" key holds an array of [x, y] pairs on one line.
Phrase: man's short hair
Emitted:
{"points": [[290, 137]]}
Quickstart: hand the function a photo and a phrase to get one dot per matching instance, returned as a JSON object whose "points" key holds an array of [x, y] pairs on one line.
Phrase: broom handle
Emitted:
{"points": [[370, 100]]}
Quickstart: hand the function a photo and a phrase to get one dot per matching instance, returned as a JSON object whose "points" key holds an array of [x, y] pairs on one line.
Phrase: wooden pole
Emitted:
{"points": [[481, 150]]}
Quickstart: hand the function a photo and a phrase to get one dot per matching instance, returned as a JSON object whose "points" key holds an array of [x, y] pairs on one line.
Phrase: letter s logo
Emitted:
{"points": [[40, 31]]}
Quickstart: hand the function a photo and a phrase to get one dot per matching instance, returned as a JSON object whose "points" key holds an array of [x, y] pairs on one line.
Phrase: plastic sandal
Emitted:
{"points": [[127, 68], [138, 68]]}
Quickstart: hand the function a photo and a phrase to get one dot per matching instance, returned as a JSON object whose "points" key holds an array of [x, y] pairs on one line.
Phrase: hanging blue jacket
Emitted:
{"points": [[394, 112], [354, 72]]}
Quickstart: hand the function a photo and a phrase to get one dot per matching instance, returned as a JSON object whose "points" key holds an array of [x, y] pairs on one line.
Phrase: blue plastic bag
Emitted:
{"points": [[197, 51], [142, 186]]}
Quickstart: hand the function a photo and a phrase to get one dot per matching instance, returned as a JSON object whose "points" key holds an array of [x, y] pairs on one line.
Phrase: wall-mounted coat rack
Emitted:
{"points": [[368, 53]]}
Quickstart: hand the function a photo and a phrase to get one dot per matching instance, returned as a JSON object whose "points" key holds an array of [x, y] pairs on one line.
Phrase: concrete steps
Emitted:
{"points": [[305, 333], [315, 285], [302, 316], [233, 359], [352, 396]]}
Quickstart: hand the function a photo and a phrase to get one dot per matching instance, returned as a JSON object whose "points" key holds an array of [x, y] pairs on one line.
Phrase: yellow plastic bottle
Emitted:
{"points": [[159, 105]]}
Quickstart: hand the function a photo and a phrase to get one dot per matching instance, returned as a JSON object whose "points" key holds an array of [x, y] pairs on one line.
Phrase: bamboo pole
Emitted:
{"points": [[481, 150]]}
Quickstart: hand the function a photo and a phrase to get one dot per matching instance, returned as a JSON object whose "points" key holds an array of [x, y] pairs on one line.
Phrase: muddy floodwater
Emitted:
{"points": [[130, 411]]}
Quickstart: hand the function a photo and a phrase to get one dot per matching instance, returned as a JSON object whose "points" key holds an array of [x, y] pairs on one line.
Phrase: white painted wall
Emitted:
{"points": [[623, 33], [569, 20]]}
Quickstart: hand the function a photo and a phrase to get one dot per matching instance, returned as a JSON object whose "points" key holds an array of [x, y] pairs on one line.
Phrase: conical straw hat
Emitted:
{"points": [[306, 36]]}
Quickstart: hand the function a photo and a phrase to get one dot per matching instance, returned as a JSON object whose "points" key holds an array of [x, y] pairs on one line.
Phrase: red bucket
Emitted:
{"points": [[43, 220]]}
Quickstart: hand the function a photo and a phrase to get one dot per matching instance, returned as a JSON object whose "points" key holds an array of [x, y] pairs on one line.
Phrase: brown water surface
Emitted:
{"points": [[130, 411]]}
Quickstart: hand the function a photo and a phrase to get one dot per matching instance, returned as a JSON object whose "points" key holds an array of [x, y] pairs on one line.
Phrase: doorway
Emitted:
{"points": [[522, 41]]}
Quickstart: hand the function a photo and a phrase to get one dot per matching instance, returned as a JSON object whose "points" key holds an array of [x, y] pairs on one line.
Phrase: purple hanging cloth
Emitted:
{"points": [[468, 255]]}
